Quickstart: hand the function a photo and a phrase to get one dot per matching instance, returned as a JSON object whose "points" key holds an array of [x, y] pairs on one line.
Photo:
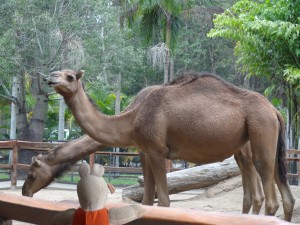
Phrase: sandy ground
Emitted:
{"points": [[225, 196]]}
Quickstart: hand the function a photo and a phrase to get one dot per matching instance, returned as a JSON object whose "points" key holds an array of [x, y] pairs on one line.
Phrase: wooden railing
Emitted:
{"points": [[41, 212], [293, 156], [15, 145]]}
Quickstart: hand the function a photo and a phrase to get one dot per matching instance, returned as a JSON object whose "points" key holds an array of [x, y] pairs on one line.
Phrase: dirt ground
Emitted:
{"points": [[225, 196]]}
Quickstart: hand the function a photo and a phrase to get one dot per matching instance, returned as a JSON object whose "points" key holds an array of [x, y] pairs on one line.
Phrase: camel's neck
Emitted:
{"points": [[72, 151], [108, 130]]}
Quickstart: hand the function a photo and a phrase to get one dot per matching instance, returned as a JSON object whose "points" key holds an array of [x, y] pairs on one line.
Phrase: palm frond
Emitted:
{"points": [[150, 21], [175, 28]]}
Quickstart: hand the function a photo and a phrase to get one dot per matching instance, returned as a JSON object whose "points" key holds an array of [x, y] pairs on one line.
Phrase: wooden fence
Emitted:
{"points": [[36, 211], [293, 156], [15, 146]]}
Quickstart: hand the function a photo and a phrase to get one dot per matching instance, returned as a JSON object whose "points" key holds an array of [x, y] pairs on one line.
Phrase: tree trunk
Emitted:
{"points": [[22, 122], [192, 178], [37, 123], [168, 45], [166, 67], [212, 59], [118, 110], [14, 106], [61, 119], [172, 69], [34, 130]]}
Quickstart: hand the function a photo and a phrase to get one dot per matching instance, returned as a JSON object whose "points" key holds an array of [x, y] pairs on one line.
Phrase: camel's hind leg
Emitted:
{"points": [[264, 157], [288, 199], [263, 147]]}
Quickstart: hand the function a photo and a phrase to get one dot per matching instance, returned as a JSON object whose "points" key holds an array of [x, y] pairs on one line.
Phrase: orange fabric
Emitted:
{"points": [[99, 217]]}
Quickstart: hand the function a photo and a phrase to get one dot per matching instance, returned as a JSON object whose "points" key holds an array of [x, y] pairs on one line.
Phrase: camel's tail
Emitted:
{"points": [[281, 151]]}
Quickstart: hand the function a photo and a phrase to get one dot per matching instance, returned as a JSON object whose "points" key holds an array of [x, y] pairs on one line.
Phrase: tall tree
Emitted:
{"points": [[40, 37], [160, 18]]}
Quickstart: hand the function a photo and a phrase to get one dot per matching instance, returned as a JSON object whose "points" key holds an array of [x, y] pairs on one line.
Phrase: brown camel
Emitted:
{"points": [[202, 121], [45, 168]]}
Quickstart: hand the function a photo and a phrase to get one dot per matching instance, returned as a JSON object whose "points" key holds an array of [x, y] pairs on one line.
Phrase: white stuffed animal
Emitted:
{"points": [[92, 192]]}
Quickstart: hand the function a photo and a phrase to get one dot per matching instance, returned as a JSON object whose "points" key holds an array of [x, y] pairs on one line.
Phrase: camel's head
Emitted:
{"points": [[39, 176], [65, 82]]}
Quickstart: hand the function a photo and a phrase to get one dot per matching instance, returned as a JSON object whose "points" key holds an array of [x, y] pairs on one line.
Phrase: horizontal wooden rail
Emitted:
{"points": [[37, 211], [293, 159], [43, 146], [19, 166], [123, 169], [293, 175], [293, 151], [15, 145], [117, 153]]}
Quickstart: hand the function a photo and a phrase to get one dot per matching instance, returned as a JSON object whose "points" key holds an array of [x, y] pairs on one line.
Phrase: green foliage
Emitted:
{"points": [[267, 35], [106, 100], [292, 75], [198, 52]]}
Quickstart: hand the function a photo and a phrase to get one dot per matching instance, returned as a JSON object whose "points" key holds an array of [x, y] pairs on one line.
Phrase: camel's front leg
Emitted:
{"points": [[157, 164], [247, 198], [149, 184]]}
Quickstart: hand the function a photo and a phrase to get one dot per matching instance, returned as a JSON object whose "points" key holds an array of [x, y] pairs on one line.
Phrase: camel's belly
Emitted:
{"points": [[203, 146], [202, 155]]}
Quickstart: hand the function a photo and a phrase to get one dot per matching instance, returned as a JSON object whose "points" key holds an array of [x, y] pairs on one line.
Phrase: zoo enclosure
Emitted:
{"points": [[119, 176]]}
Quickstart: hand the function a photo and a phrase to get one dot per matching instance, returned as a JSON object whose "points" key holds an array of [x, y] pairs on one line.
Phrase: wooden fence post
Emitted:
{"points": [[92, 160], [14, 174]]}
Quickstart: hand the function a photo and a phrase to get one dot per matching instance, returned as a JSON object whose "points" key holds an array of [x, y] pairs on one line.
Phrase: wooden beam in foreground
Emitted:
{"points": [[38, 211]]}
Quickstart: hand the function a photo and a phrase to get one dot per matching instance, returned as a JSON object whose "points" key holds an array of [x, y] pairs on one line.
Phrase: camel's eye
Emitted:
{"points": [[31, 176], [70, 78]]}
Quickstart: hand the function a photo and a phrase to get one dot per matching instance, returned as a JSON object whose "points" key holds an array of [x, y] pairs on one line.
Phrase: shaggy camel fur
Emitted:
{"points": [[202, 121]]}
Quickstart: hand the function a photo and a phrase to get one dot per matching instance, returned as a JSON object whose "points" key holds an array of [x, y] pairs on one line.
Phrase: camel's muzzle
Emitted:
{"points": [[51, 80]]}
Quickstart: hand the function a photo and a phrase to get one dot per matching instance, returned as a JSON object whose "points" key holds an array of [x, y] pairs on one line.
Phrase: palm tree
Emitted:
{"points": [[161, 18]]}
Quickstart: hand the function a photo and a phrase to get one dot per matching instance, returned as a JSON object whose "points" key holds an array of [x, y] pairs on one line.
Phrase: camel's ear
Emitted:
{"points": [[79, 74], [36, 161]]}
